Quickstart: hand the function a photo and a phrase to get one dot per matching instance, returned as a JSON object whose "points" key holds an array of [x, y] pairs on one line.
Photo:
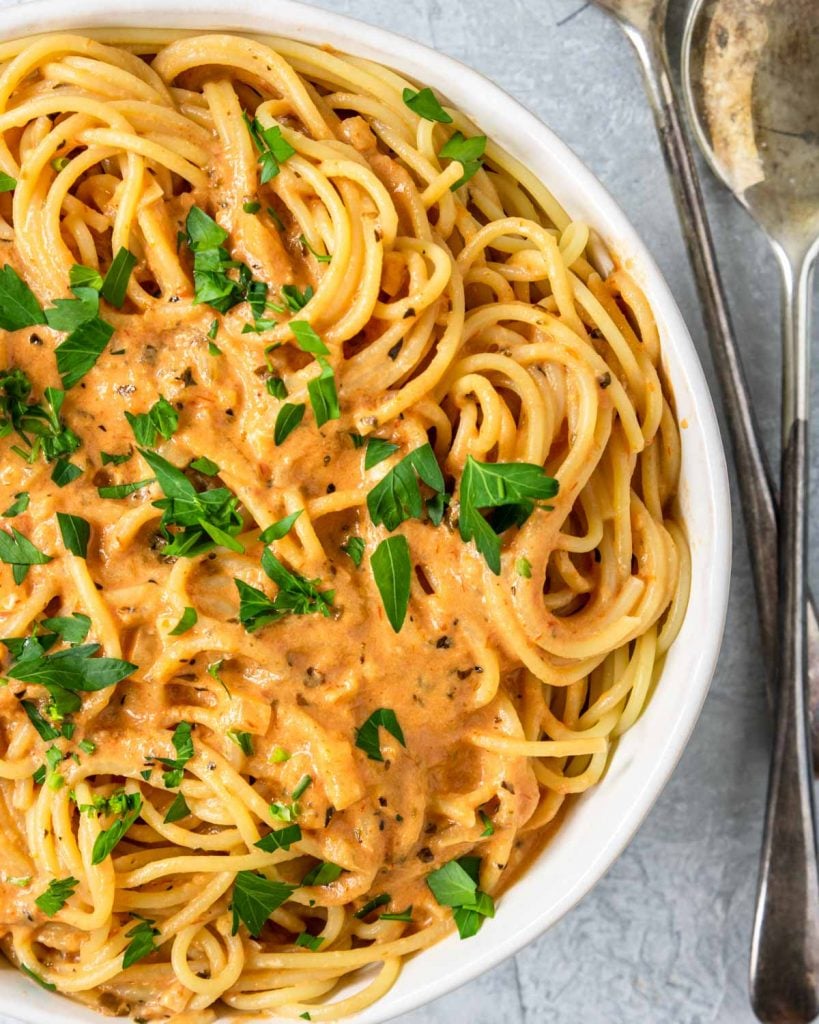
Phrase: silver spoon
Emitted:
{"points": [[751, 80], [643, 21]]}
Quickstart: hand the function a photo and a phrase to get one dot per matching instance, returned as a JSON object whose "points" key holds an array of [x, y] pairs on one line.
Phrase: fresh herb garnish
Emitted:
{"points": [[323, 394], [18, 305], [392, 571], [307, 339], [374, 904], [488, 825], [57, 894], [354, 547], [107, 840], [320, 256], [179, 809], [308, 941], [161, 419], [302, 786], [81, 349], [468, 152], [523, 567], [511, 487], [378, 449], [75, 532], [64, 472], [182, 740], [424, 104], [455, 885], [280, 528], [87, 746], [205, 466], [402, 915], [243, 740], [187, 621], [367, 739], [278, 756], [123, 490], [40, 427], [295, 300], [36, 977], [107, 458], [18, 506], [289, 417], [72, 628], [142, 942], [45, 729], [255, 898], [280, 839], [251, 207], [115, 283], [398, 496], [272, 146], [7, 183], [323, 873], [202, 519], [18, 552]]}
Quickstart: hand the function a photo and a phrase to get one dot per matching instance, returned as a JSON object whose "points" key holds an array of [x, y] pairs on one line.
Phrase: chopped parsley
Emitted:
{"points": [[272, 147], [289, 417], [392, 571], [297, 595], [424, 104], [398, 495], [354, 548], [322, 873], [455, 885], [108, 839], [57, 894], [323, 394], [142, 943], [311, 942], [187, 621], [280, 839], [378, 449], [468, 152], [65, 472], [39, 426], [280, 528], [243, 740], [160, 420], [510, 487], [295, 300], [374, 904], [201, 519], [18, 506], [255, 898], [75, 532], [182, 740], [319, 256], [307, 339], [178, 809], [18, 552], [18, 305], [367, 739]]}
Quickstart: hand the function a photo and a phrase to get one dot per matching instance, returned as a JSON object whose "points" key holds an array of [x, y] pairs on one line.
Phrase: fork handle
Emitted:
{"points": [[754, 478], [785, 946]]}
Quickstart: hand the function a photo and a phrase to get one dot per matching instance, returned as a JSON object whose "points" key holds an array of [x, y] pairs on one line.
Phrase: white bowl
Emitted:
{"points": [[604, 819]]}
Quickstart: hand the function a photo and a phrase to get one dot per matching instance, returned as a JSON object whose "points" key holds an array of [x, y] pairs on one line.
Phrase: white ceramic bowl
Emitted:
{"points": [[603, 820]]}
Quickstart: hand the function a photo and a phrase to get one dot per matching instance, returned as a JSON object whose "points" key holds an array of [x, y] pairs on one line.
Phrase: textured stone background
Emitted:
{"points": [[663, 939]]}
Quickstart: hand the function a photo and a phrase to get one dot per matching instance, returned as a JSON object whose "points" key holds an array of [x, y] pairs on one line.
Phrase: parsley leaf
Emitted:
{"points": [[402, 915], [182, 740], [161, 419], [142, 942], [57, 894], [374, 904], [18, 552], [455, 885], [398, 496], [243, 740], [76, 533], [115, 282], [323, 873], [289, 417], [323, 394], [107, 458], [308, 941], [468, 152], [425, 104], [203, 518], [280, 839], [84, 277], [123, 490], [280, 528], [297, 595], [366, 738], [272, 146], [307, 339], [45, 729], [295, 300], [392, 571], [488, 825], [68, 314], [36, 977], [43, 423], [107, 840], [65, 472], [205, 466], [378, 449], [255, 898], [7, 183], [18, 305], [354, 547], [81, 349], [74, 669], [179, 809], [18, 506], [187, 621], [512, 487], [72, 628]]}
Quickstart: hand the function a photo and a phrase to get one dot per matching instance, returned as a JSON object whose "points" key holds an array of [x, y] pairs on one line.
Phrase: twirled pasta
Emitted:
{"points": [[482, 320]]}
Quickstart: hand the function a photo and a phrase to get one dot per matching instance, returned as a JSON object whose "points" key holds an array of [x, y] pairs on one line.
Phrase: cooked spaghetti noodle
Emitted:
{"points": [[339, 547]]}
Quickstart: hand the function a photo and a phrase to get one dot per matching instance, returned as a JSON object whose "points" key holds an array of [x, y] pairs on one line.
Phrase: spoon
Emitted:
{"points": [[751, 81], [643, 21]]}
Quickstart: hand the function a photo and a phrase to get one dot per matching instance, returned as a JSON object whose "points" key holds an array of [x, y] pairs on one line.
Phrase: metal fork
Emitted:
{"points": [[643, 21]]}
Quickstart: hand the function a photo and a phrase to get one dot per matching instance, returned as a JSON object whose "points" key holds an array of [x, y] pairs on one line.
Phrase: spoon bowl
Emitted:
{"points": [[751, 83]]}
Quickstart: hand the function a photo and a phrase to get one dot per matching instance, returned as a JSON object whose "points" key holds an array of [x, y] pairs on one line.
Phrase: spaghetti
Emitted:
{"points": [[339, 545]]}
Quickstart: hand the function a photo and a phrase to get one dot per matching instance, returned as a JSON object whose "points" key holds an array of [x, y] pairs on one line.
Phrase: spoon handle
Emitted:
{"points": [[755, 481], [785, 946]]}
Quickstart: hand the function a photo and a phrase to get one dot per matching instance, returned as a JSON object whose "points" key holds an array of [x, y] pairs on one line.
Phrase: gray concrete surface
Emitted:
{"points": [[663, 939]]}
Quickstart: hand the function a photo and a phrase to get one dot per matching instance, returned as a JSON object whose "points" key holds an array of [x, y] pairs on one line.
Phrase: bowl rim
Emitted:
{"points": [[521, 133]]}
